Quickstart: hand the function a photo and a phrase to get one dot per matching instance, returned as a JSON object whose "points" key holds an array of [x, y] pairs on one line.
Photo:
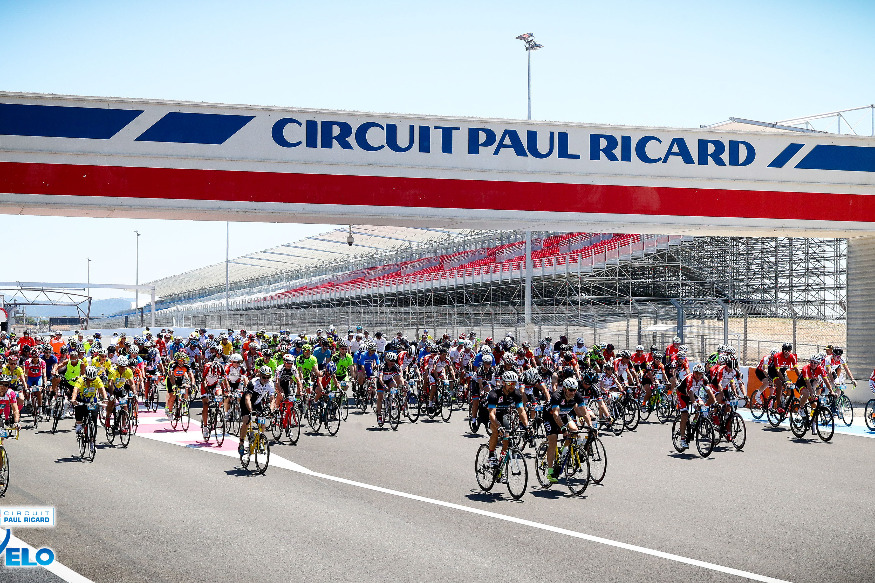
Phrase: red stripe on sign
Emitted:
{"points": [[227, 185]]}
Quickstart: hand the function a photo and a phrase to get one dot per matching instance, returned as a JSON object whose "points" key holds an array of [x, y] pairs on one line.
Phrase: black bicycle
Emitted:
{"points": [[699, 428]]}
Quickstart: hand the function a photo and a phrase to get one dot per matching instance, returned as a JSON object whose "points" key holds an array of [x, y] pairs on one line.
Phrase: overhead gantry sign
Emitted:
{"points": [[135, 158]]}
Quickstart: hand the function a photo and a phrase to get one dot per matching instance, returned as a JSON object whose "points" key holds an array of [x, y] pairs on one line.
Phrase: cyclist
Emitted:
{"points": [[179, 377], [308, 368], [837, 366], [761, 371], [810, 378], [51, 365], [235, 374], [391, 376], [557, 419], [694, 388], [35, 369], [211, 384], [87, 389], [589, 389], [285, 376], [437, 371], [121, 379], [484, 383], [580, 350], [781, 362], [8, 401], [256, 399], [501, 402], [367, 363]]}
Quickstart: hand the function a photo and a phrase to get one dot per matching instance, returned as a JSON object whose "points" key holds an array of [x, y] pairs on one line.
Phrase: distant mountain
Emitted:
{"points": [[98, 308]]}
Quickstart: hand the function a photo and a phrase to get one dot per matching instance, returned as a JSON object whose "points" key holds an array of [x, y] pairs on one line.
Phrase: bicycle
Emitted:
{"points": [[120, 424], [256, 444], [572, 463], [699, 426], [4, 457], [181, 413], [411, 404], [59, 406], [840, 405], [391, 409], [729, 425], [816, 416], [286, 419], [33, 401], [87, 437], [324, 411], [151, 399], [510, 469], [442, 402], [234, 414], [215, 420], [133, 411], [631, 410]]}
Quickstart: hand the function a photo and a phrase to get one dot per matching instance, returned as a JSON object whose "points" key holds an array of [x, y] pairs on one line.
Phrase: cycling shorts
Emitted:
{"points": [[33, 382], [760, 374], [550, 427]]}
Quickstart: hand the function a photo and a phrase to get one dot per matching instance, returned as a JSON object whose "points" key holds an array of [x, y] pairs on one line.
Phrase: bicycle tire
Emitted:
{"points": [[80, 437], [344, 406], [235, 418], [756, 405], [446, 404], [823, 422], [91, 448], [124, 427], [676, 435], [541, 465], [516, 470], [846, 410], [4, 471], [276, 425], [664, 410], [176, 413], [484, 474], [797, 422], [262, 453], [869, 414], [598, 459], [314, 416], [110, 429], [154, 397], [219, 427], [631, 414], [293, 429], [332, 417], [134, 414], [413, 407], [577, 472], [618, 424], [394, 412], [738, 432], [57, 412], [186, 415], [772, 416], [35, 408], [705, 437], [645, 409], [247, 446]]}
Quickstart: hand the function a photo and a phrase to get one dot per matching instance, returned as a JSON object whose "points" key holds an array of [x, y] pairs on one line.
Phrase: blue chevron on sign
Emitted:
{"points": [[847, 158], [54, 121], [195, 128], [785, 156]]}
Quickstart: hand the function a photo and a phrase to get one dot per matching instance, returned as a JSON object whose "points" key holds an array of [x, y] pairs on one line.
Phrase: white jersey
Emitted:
{"points": [[466, 357], [622, 369], [437, 364], [354, 346], [580, 351], [834, 364], [455, 356], [381, 345]]}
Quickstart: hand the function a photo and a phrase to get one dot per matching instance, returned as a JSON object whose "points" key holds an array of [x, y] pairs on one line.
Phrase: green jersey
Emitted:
{"points": [[343, 366], [306, 366]]}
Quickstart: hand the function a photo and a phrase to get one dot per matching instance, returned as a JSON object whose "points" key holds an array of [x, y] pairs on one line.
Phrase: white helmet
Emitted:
{"points": [[487, 359], [699, 368], [236, 358]]}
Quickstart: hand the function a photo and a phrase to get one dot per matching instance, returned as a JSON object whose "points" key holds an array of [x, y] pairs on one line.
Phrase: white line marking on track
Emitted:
{"points": [[55, 568], [277, 461]]}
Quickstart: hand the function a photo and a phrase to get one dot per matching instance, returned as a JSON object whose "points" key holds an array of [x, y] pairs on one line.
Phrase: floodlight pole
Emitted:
{"points": [[227, 267], [137, 274]]}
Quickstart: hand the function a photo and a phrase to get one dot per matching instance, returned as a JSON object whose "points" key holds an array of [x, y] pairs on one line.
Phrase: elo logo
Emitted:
{"points": [[20, 556]]}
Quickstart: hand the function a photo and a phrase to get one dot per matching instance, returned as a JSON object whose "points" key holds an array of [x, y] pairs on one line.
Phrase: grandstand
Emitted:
{"points": [[621, 288]]}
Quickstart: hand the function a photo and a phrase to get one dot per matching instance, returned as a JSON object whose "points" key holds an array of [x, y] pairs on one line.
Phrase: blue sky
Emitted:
{"points": [[676, 64]]}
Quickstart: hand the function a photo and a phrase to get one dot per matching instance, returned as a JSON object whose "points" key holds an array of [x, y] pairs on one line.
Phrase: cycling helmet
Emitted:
{"points": [[625, 354], [306, 347], [507, 358], [787, 346], [443, 350], [579, 340], [609, 365], [676, 340], [487, 359], [838, 350], [722, 360], [122, 361], [90, 373], [654, 348], [288, 358], [5, 379], [699, 368], [570, 384], [774, 352], [153, 353], [485, 350], [265, 371], [531, 376], [391, 356], [237, 358], [814, 358], [509, 377], [590, 377]]}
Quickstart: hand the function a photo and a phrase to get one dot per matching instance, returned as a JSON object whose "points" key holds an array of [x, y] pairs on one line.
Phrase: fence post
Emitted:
{"points": [[744, 350]]}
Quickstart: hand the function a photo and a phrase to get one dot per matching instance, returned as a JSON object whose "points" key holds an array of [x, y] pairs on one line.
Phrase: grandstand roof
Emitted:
{"points": [[320, 250]]}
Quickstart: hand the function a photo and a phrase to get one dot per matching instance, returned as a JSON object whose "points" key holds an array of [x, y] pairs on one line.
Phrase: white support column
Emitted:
{"points": [[529, 332], [152, 318], [861, 314]]}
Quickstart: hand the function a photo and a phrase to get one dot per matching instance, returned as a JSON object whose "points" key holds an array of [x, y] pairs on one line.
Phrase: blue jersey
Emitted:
{"points": [[322, 355], [478, 360], [370, 362]]}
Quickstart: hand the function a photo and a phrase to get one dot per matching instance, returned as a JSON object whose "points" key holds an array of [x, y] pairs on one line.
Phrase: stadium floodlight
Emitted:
{"points": [[531, 45], [349, 239]]}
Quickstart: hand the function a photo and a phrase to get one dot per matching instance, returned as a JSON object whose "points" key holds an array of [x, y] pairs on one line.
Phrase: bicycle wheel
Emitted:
{"points": [[248, 445], [631, 414], [91, 448], [110, 428], [35, 409], [541, 465], [645, 409], [485, 474], [705, 437], [577, 472], [823, 422], [517, 473], [737, 432], [869, 414], [616, 411], [665, 410], [176, 413], [797, 422], [134, 414], [343, 408], [83, 442], [332, 417], [276, 425], [57, 412], [154, 397], [676, 435], [124, 427], [147, 397], [846, 410], [293, 427], [218, 426], [598, 459], [446, 399], [772, 415], [413, 407], [314, 416], [262, 453], [4, 470], [186, 414], [394, 412], [234, 418]]}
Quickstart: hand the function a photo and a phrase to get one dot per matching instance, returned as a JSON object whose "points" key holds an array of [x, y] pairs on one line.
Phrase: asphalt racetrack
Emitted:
{"points": [[374, 505]]}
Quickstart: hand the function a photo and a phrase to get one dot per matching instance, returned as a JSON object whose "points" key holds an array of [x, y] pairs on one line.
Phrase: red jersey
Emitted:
{"points": [[782, 361], [765, 362], [161, 346], [26, 341], [671, 352], [812, 372], [642, 358]]}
